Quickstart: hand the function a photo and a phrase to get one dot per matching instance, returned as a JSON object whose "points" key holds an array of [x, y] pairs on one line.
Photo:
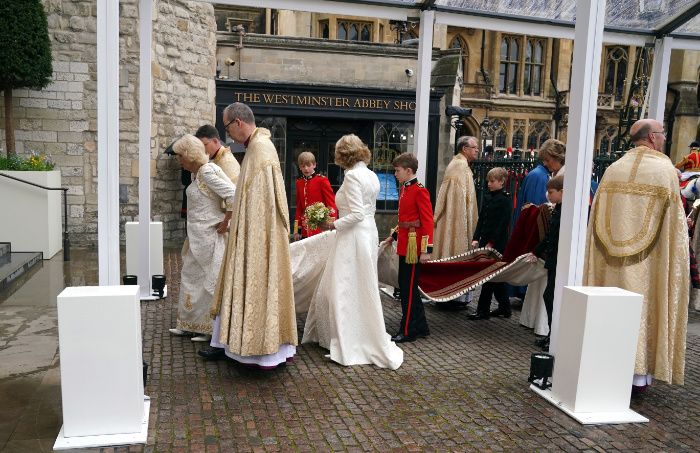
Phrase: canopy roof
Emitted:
{"points": [[645, 17]]}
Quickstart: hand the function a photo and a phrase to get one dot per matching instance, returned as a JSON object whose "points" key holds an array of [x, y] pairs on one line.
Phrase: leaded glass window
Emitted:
{"points": [[390, 140], [278, 130], [534, 67], [615, 71], [538, 133], [509, 77]]}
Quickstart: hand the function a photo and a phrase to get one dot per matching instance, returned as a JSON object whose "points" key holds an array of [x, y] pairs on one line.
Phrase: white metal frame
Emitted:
{"points": [[145, 104], [659, 78], [580, 150], [108, 141], [328, 7], [425, 66]]}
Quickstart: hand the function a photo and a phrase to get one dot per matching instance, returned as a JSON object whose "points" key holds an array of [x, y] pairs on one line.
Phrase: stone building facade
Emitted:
{"points": [[61, 120]]}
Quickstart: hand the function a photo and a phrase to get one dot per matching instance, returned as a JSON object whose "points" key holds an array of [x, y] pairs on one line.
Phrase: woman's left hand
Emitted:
{"points": [[329, 225]]}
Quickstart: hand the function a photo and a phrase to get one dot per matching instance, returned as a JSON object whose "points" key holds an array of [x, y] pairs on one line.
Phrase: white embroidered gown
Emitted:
{"points": [[204, 249], [345, 314]]}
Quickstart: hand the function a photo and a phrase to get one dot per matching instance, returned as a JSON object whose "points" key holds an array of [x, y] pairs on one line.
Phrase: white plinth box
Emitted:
{"points": [[133, 245], [99, 336], [31, 216], [594, 365]]}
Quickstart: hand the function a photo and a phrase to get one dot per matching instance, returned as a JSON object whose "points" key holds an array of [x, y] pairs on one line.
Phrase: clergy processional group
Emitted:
{"points": [[243, 284]]}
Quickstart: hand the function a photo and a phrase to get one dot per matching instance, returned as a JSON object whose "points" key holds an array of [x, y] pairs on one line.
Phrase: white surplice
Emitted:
{"points": [[345, 314]]}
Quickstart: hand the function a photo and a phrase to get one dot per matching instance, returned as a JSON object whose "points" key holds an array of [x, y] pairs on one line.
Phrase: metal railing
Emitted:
{"points": [[519, 167], [66, 241]]}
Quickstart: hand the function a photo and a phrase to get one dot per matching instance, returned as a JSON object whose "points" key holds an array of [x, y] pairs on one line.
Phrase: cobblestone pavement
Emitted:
{"points": [[462, 389]]}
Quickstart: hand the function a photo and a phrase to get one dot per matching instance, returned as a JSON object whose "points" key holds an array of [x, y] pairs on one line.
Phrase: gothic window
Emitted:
{"points": [[323, 29], [534, 67], [608, 141], [354, 31], [459, 43], [509, 79], [353, 35], [538, 134], [518, 134], [278, 130], [342, 31], [390, 140], [500, 134], [615, 71], [365, 34]]}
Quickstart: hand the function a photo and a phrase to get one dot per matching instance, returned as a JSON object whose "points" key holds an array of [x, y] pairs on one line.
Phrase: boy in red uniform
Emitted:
{"points": [[311, 188], [414, 234]]}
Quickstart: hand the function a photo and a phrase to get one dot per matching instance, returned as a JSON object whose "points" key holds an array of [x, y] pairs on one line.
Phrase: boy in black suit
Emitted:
{"points": [[492, 231], [549, 247]]}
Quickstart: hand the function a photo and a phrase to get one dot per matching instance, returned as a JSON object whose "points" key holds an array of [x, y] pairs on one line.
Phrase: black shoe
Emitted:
{"points": [[423, 335], [478, 316], [400, 338], [502, 313], [211, 353]]}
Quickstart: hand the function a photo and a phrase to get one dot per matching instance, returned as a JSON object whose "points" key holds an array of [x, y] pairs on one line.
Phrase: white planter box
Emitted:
{"points": [[133, 248], [31, 217], [99, 337]]}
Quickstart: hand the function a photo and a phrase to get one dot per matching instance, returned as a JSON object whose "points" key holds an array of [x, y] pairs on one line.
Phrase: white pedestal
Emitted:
{"points": [[99, 336], [597, 345], [31, 216], [133, 247]]}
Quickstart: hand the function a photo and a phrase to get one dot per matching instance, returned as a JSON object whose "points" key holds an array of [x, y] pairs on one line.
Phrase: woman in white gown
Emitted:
{"points": [[207, 223], [345, 314]]}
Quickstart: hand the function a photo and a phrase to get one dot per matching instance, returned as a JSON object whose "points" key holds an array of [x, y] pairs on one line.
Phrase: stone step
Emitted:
{"points": [[18, 264]]}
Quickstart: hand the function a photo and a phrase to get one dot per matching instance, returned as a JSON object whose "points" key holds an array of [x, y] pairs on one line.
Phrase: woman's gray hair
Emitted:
{"points": [[191, 149]]}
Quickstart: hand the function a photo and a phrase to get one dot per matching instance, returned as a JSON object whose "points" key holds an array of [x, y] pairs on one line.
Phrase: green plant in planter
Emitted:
{"points": [[33, 162]]}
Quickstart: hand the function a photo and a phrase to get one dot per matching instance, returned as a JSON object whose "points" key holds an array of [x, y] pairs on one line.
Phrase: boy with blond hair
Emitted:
{"points": [[311, 188]]}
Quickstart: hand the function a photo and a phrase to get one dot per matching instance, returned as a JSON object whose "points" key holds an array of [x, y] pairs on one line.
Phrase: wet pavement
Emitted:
{"points": [[461, 389]]}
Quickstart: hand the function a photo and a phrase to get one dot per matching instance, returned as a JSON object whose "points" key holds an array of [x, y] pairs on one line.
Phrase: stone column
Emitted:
{"points": [[683, 78]]}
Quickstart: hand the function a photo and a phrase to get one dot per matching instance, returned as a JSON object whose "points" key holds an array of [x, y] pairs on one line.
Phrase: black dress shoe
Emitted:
{"points": [[400, 338], [212, 353], [423, 334], [505, 314], [478, 316]]}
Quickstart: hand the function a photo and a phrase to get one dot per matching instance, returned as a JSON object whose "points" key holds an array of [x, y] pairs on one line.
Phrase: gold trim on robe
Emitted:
{"points": [[638, 240]]}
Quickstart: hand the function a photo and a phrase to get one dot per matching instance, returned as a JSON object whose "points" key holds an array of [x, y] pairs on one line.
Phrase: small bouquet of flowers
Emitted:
{"points": [[316, 215]]}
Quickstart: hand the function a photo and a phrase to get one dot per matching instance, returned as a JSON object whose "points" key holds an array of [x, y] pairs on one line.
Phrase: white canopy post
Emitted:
{"points": [[145, 41], [588, 46], [659, 78], [108, 141], [425, 64]]}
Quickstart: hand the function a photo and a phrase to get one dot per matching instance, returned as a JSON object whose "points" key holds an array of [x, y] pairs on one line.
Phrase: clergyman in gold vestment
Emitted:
{"points": [[456, 212], [638, 240], [254, 298]]}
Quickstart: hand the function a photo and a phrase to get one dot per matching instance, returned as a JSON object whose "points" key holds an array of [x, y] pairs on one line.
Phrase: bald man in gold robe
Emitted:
{"points": [[638, 240]]}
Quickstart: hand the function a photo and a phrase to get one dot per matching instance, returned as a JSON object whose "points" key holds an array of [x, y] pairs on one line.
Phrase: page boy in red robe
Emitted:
{"points": [[311, 188], [414, 236]]}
